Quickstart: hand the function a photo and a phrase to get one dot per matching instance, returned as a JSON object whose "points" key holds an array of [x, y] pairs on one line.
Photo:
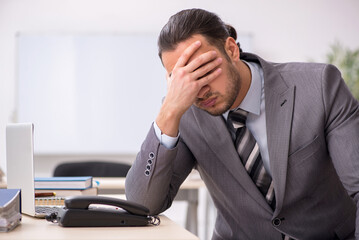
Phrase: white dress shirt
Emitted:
{"points": [[254, 104]]}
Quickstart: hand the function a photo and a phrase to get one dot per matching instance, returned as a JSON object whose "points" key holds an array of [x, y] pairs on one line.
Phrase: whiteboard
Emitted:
{"points": [[89, 93]]}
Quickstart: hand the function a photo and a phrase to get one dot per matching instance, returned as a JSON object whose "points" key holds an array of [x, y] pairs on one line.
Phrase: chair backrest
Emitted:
{"points": [[92, 168]]}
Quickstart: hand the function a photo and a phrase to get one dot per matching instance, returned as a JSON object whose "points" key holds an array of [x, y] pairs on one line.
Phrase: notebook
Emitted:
{"points": [[20, 168]]}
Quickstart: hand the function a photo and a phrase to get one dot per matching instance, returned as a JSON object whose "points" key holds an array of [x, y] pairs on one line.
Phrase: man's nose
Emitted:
{"points": [[203, 92]]}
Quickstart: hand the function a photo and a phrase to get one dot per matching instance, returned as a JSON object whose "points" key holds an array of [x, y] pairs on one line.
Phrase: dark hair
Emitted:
{"points": [[186, 23]]}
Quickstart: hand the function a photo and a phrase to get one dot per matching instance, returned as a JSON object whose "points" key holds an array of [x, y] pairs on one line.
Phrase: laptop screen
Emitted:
{"points": [[19, 161]]}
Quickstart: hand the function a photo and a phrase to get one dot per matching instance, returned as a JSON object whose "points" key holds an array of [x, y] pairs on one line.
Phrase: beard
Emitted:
{"points": [[228, 98]]}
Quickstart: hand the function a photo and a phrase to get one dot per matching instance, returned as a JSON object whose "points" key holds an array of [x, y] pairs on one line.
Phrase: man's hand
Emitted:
{"points": [[184, 83]]}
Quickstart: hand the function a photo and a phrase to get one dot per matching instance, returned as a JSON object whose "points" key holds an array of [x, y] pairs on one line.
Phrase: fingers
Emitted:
{"points": [[194, 75], [201, 60], [206, 69], [186, 55], [209, 77], [201, 66]]}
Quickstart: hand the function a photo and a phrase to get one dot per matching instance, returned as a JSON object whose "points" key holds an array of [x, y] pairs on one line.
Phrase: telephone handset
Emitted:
{"points": [[79, 212]]}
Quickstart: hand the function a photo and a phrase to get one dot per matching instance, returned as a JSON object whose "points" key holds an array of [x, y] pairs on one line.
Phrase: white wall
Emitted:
{"points": [[282, 30]]}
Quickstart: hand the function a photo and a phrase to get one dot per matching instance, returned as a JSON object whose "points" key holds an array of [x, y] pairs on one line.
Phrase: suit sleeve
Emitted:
{"points": [[342, 132], [157, 173]]}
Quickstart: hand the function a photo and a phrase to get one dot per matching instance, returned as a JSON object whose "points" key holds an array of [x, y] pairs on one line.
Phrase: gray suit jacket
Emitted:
{"points": [[313, 140]]}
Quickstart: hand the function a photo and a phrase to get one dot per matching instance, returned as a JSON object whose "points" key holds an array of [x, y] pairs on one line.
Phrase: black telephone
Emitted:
{"points": [[78, 213]]}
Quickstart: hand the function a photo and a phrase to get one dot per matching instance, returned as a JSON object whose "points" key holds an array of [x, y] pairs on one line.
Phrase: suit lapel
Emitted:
{"points": [[279, 100], [218, 138]]}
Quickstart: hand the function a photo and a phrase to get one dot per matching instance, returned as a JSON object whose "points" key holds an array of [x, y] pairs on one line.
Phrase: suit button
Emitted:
{"points": [[276, 222], [151, 155]]}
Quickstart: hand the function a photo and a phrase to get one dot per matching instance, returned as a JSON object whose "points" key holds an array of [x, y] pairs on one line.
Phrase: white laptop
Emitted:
{"points": [[20, 165]]}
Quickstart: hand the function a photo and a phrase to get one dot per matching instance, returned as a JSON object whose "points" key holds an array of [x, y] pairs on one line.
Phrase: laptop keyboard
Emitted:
{"points": [[46, 210], [50, 201], [47, 205]]}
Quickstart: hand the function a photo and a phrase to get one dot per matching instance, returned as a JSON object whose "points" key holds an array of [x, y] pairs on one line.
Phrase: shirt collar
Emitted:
{"points": [[252, 101]]}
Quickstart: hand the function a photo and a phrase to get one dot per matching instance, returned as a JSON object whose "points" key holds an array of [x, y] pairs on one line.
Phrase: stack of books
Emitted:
{"points": [[10, 209], [64, 186]]}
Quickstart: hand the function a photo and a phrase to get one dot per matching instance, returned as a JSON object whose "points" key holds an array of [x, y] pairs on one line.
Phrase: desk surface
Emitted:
{"points": [[40, 229], [33, 228]]}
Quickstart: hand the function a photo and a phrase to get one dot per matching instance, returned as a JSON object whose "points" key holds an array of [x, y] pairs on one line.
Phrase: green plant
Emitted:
{"points": [[347, 61]]}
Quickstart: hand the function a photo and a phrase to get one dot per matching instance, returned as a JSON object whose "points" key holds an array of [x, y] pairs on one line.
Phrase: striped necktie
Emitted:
{"points": [[248, 151]]}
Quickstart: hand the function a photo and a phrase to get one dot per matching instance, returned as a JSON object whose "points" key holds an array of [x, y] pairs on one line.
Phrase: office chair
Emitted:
{"points": [[92, 168]]}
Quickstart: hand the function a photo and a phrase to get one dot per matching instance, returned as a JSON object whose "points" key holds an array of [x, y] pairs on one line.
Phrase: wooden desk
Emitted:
{"points": [[33, 228], [188, 192]]}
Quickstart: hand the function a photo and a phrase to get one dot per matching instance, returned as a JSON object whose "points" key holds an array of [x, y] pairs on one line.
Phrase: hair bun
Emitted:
{"points": [[231, 31]]}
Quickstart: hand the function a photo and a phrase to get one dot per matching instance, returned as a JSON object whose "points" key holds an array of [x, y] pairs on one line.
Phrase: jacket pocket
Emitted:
{"points": [[305, 152]]}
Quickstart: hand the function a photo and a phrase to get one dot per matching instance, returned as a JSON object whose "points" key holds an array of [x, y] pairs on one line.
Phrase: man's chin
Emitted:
{"points": [[214, 111]]}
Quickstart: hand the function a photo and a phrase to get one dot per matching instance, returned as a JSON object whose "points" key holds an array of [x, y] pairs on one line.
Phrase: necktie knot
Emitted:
{"points": [[238, 118]]}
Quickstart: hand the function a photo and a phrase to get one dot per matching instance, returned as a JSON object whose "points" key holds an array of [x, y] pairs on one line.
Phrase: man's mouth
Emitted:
{"points": [[209, 102]]}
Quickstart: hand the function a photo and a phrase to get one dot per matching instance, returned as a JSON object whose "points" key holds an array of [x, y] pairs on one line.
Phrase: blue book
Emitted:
{"points": [[63, 182]]}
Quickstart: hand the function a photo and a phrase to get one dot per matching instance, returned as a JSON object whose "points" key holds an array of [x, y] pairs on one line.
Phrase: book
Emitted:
{"points": [[70, 192], [49, 201], [10, 209], [63, 182]]}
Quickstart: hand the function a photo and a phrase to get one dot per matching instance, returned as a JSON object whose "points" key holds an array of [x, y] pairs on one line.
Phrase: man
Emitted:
{"points": [[276, 144]]}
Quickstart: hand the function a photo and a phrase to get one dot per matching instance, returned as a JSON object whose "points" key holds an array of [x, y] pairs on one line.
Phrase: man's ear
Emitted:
{"points": [[232, 49]]}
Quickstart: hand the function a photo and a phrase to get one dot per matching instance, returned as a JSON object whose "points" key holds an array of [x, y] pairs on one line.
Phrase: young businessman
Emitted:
{"points": [[276, 144]]}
